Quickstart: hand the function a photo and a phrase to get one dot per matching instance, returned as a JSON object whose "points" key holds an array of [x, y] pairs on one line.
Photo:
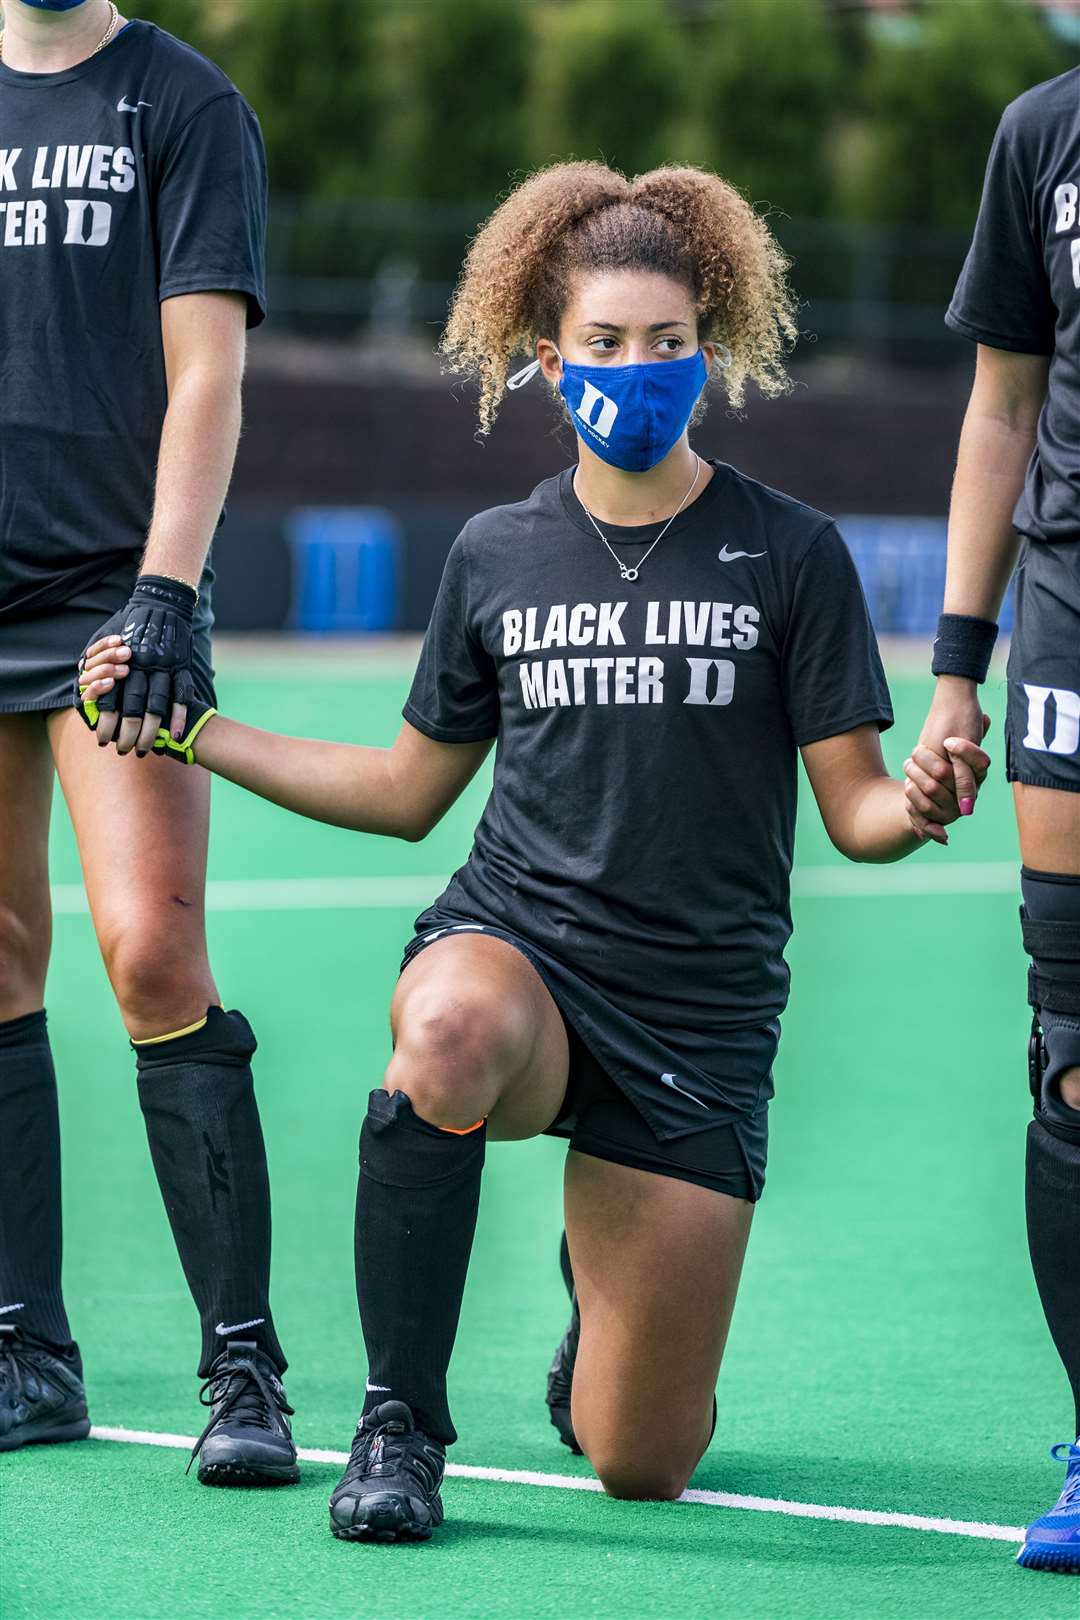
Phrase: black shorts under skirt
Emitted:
{"points": [[1042, 725], [39, 652], [608, 1116]]}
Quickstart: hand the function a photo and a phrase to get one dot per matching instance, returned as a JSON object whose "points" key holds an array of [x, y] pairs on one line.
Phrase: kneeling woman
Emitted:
{"points": [[651, 638]]}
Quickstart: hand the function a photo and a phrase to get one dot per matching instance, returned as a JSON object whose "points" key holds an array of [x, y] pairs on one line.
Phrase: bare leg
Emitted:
{"points": [[477, 1036], [26, 777], [142, 830], [30, 1216], [1049, 822], [142, 827], [479, 1047], [657, 1264]]}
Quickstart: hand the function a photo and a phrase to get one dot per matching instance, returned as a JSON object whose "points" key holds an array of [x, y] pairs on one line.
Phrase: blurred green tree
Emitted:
{"points": [[610, 80], [209, 28], [934, 95], [466, 78], [769, 74], [312, 74]]}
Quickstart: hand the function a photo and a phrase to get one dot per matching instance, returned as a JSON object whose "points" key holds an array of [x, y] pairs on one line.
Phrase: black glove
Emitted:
{"points": [[182, 749], [156, 625]]}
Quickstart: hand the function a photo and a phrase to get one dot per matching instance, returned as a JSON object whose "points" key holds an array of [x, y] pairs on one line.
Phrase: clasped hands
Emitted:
{"points": [[147, 647], [946, 767]]}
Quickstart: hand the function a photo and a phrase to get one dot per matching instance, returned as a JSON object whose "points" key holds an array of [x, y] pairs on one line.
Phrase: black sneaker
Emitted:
{"points": [[42, 1399], [560, 1382], [247, 1440], [561, 1372], [390, 1489]]}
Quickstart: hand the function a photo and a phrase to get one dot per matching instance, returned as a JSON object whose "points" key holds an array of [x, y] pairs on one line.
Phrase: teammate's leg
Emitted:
{"points": [[29, 1129], [1049, 823], [479, 1049], [142, 832], [41, 1394], [656, 1265]]}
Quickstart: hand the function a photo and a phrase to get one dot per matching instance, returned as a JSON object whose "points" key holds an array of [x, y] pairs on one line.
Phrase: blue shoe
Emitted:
{"points": [[1053, 1542]]}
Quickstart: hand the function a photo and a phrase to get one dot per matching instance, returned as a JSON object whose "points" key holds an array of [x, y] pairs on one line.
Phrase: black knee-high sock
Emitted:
{"points": [[30, 1227], [202, 1122], [416, 1206], [1053, 1218]]}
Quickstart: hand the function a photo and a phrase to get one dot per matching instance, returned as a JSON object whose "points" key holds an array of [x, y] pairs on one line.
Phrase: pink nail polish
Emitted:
{"points": [[967, 806]]}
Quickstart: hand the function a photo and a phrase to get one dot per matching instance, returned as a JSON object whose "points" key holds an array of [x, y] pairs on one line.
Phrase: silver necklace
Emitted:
{"points": [[625, 570], [114, 18]]}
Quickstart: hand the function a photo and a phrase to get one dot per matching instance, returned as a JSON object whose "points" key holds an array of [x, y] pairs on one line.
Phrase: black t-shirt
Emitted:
{"points": [[641, 820], [134, 176], [1020, 285]]}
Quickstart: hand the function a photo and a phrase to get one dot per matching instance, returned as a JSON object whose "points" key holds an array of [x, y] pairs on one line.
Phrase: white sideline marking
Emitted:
{"points": [[569, 1482], [907, 877], [372, 893]]}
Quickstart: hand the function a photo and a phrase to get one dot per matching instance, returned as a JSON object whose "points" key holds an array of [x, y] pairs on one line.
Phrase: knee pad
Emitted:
{"points": [[1050, 920]]}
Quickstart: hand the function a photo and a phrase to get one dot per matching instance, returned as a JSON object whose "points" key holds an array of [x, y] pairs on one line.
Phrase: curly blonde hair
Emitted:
{"points": [[682, 222]]}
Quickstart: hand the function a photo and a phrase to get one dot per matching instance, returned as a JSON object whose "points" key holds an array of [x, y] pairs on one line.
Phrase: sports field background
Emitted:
{"points": [[888, 1351]]}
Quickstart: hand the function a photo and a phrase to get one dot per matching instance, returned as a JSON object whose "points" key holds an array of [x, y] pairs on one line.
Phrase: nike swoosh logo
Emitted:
{"points": [[669, 1081], [256, 1321], [5, 1308], [724, 555], [124, 105]]}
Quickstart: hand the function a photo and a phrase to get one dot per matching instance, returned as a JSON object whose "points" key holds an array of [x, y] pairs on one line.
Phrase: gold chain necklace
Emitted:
{"points": [[114, 18]]}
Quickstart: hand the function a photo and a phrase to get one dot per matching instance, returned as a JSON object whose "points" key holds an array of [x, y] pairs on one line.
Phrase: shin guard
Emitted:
{"points": [[198, 1100], [1050, 918], [30, 1223], [416, 1205]]}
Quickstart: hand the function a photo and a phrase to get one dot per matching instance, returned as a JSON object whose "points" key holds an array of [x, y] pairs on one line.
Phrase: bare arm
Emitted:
{"points": [[865, 809], [996, 442], [860, 803], [995, 446], [402, 792], [205, 338]]}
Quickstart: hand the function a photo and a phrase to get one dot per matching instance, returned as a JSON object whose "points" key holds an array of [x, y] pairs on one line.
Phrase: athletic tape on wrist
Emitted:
{"points": [[963, 646]]}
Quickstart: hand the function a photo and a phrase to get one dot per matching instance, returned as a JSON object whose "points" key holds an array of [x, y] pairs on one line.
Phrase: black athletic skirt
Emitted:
{"points": [[39, 652], [619, 1106]]}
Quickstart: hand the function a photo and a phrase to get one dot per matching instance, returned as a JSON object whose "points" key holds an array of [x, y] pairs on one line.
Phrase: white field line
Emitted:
{"points": [[413, 893], [569, 1482]]}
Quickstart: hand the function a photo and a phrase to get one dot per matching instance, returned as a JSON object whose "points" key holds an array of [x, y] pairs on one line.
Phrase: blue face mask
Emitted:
{"points": [[630, 416]]}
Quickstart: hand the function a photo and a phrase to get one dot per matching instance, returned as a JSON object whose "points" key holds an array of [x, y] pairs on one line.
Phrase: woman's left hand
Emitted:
{"points": [[931, 802]]}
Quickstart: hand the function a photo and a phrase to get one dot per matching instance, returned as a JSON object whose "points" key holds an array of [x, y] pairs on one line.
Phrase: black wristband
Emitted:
{"points": [[171, 593], [963, 646]]}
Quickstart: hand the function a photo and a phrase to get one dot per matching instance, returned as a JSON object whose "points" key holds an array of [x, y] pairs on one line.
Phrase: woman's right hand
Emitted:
{"points": [[103, 664], [956, 711]]}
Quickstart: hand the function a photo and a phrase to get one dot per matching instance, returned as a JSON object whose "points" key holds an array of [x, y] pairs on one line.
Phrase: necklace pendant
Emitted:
{"points": [[629, 573]]}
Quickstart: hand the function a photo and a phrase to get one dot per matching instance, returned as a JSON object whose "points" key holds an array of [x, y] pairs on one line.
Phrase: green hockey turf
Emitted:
{"points": [[888, 1351]]}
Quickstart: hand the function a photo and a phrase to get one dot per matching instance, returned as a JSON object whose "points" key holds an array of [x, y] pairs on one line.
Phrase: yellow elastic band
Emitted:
{"points": [[156, 1040]]}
